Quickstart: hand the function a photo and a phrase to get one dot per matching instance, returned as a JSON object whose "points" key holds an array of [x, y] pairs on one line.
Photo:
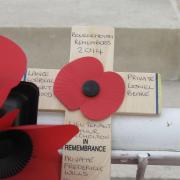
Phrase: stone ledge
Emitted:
{"points": [[145, 179], [138, 50], [60, 13], [128, 172]]}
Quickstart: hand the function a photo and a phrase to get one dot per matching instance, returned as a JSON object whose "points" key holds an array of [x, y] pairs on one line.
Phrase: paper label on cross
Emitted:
{"points": [[142, 97]]}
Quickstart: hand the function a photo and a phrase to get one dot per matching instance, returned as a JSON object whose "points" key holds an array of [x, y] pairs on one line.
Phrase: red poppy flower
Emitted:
{"points": [[30, 152], [83, 84], [12, 66]]}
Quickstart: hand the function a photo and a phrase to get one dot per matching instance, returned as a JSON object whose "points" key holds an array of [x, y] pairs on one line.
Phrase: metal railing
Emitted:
{"points": [[139, 140]]}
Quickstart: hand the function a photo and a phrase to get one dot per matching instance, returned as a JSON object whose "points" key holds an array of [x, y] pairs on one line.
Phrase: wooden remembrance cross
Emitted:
{"points": [[142, 97]]}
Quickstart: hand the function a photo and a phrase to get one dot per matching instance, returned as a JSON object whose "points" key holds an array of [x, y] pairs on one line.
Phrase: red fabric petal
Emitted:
{"points": [[39, 169], [7, 120], [68, 91], [46, 162], [12, 66], [112, 91], [69, 81], [4, 91], [47, 139]]}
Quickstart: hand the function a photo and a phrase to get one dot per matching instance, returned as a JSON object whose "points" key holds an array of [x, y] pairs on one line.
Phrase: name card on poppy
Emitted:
{"points": [[142, 97]]}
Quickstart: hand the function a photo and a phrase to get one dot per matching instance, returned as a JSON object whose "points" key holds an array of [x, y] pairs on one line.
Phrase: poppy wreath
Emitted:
{"points": [[12, 66], [83, 84], [31, 152]]}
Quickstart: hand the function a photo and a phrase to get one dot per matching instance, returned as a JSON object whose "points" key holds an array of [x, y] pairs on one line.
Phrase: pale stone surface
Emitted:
{"points": [[121, 172], [65, 13], [141, 50], [159, 46], [136, 50]]}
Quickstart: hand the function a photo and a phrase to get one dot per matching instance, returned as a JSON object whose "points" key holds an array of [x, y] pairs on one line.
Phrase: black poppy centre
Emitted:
{"points": [[91, 88], [15, 152], [2, 112]]}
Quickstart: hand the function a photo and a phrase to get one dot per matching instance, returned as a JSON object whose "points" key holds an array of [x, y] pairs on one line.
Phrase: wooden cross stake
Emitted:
{"points": [[87, 165]]}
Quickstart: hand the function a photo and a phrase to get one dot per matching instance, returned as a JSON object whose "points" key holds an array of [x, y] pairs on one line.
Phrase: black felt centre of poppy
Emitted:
{"points": [[91, 88], [15, 152], [2, 112]]}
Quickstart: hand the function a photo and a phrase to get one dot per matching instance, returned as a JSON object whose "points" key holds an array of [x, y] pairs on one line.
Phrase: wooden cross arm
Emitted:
{"points": [[143, 91]]}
